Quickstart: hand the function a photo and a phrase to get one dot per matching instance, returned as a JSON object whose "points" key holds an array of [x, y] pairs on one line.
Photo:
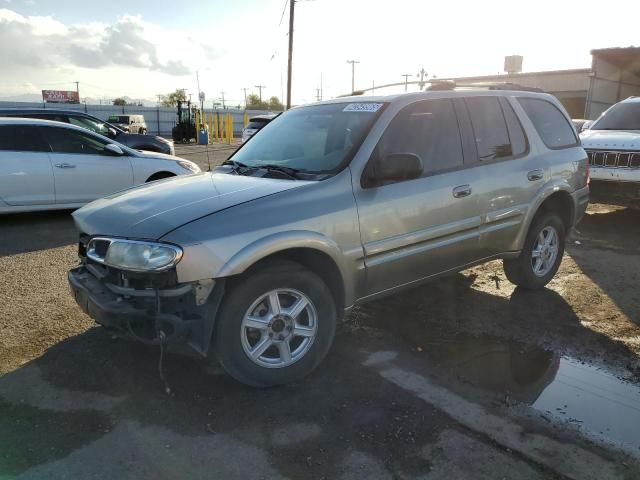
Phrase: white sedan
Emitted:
{"points": [[47, 165]]}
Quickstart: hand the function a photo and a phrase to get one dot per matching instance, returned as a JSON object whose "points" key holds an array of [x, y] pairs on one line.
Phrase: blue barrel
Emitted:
{"points": [[203, 137]]}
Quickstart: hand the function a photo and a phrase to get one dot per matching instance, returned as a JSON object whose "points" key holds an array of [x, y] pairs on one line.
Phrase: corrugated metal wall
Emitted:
{"points": [[160, 120]]}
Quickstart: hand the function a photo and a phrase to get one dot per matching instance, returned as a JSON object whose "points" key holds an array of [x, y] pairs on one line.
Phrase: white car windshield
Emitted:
{"points": [[623, 116], [314, 139]]}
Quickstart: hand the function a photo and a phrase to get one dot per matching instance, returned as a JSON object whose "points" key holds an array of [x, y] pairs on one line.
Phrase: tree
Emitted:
{"points": [[171, 99], [119, 102], [253, 103], [275, 104]]}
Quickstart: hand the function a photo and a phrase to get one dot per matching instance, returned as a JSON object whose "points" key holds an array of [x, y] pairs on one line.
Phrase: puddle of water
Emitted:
{"points": [[561, 388], [599, 402]]}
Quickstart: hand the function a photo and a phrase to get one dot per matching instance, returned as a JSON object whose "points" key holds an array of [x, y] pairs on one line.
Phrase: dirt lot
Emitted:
{"points": [[463, 378]]}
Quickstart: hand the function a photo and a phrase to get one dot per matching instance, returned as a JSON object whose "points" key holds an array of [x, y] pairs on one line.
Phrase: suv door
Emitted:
{"points": [[26, 176], [83, 169], [417, 228], [501, 163]]}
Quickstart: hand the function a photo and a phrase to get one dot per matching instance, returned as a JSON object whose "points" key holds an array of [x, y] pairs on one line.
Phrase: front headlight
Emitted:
{"points": [[192, 167], [140, 256]]}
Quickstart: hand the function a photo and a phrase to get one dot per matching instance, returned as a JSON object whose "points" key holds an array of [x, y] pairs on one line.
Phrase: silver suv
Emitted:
{"points": [[332, 204]]}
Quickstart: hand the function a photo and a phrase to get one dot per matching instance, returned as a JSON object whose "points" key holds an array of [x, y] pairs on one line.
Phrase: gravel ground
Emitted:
{"points": [[76, 404]]}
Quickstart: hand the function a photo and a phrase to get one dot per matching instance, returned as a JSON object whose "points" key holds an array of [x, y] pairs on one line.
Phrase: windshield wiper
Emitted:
{"points": [[238, 168], [288, 171]]}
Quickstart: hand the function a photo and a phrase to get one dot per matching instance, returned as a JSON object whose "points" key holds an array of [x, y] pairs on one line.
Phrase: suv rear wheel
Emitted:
{"points": [[275, 326], [541, 255]]}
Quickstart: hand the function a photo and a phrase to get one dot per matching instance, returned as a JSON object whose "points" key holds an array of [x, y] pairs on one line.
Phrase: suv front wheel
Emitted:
{"points": [[541, 255], [275, 325]]}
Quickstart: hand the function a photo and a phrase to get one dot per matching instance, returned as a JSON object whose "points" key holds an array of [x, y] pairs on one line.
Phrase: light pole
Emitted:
{"points": [[406, 80], [260, 87], [292, 5], [353, 74]]}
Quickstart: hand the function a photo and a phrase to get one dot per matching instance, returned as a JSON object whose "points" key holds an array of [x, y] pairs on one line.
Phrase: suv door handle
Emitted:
{"points": [[462, 191], [535, 175], [65, 165]]}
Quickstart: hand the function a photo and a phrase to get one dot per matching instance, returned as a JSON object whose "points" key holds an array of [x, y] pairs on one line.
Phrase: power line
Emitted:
{"points": [[284, 9]]}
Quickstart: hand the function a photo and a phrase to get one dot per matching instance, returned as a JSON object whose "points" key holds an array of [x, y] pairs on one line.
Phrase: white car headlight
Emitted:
{"points": [[136, 255], [192, 167]]}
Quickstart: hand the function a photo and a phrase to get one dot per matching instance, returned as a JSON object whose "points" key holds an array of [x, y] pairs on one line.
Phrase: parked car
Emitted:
{"points": [[149, 143], [47, 165], [129, 123], [333, 204], [255, 125], [613, 146]]}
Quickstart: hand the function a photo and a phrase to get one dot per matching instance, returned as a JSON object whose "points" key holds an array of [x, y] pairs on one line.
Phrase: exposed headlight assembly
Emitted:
{"points": [[134, 255], [192, 167]]}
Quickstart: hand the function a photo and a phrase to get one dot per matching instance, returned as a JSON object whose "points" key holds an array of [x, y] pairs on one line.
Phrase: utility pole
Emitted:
{"points": [[318, 95], [321, 92], [222, 95], [422, 73], [245, 98], [406, 80], [260, 87], [292, 6], [78, 90], [353, 74]]}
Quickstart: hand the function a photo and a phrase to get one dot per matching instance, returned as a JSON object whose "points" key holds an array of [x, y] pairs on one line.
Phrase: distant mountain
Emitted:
{"points": [[24, 97]]}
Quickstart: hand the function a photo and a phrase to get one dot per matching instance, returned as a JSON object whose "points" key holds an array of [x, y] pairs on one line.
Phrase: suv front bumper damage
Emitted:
{"points": [[181, 313]]}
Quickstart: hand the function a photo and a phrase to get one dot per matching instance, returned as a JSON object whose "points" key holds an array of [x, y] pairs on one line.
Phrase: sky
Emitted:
{"points": [[144, 48]]}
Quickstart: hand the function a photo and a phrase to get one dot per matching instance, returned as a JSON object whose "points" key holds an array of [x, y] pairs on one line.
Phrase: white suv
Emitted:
{"points": [[47, 165], [613, 145]]}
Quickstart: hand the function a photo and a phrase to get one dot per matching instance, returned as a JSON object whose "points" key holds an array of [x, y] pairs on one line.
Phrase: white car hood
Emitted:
{"points": [[611, 139]]}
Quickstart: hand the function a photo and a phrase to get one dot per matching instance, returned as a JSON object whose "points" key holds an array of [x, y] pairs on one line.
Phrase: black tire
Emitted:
{"points": [[227, 341], [520, 270], [160, 176], [142, 131]]}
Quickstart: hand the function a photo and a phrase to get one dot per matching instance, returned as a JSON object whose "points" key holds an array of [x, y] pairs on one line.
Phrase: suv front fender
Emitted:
{"points": [[200, 261]]}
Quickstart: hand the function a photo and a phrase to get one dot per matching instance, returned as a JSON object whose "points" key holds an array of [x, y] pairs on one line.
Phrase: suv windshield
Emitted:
{"points": [[315, 139], [623, 116]]}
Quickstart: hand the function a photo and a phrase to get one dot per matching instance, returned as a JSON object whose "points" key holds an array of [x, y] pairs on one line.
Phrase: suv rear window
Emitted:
{"points": [[552, 126]]}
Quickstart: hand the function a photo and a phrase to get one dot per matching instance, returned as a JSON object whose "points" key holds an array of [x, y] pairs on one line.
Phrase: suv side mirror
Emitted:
{"points": [[113, 149], [111, 132], [392, 168]]}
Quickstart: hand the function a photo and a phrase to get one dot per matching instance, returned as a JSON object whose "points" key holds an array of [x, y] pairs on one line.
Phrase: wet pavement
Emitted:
{"points": [[465, 377]]}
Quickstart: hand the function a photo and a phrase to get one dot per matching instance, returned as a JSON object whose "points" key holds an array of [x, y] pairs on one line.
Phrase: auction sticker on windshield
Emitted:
{"points": [[362, 107]]}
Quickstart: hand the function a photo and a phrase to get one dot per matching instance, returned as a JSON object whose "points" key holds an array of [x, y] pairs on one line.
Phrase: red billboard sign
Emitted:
{"points": [[60, 96]]}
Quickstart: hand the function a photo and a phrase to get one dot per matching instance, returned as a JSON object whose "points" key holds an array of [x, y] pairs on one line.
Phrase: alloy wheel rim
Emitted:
{"points": [[279, 328], [545, 251]]}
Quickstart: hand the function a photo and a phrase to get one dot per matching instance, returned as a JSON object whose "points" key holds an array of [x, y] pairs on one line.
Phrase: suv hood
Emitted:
{"points": [[611, 139], [153, 209]]}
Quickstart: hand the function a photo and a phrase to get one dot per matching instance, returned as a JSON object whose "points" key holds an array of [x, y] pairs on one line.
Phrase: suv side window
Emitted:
{"points": [[428, 129], [552, 126], [22, 138], [519, 143], [489, 128], [64, 140]]}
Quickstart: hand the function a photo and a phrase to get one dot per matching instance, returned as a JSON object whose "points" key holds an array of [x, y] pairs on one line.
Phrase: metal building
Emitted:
{"points": [[586, 92]]}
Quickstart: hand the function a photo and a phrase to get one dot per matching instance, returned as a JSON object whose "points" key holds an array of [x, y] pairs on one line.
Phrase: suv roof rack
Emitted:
{"points": [[452, 85]]}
